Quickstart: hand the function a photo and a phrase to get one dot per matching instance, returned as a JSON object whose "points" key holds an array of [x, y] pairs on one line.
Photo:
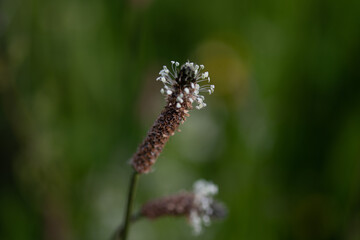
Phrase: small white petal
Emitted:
{"points": [[192, 85], [195, 221], [191, 100], [178, 105], [186, 90], [177, 64], [206, 220], [162, 91], [168, 92], [202, 66], [179, 99]]}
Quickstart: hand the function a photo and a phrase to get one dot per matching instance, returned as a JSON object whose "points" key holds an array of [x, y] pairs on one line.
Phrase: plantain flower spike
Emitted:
{"points": [[198, 206], [182, 87]]}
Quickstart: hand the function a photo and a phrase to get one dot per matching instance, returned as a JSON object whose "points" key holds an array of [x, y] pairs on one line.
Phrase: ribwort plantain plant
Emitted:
{"points": [[183, 86]]}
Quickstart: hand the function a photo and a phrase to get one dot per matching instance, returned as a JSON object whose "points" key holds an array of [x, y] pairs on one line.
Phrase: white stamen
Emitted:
{"points": [[190, 90], [204, 192], [179, 99]]}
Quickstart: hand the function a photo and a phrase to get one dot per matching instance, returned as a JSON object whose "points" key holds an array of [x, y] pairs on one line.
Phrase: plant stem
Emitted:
{"points": [[123, 231], [120, 230]]}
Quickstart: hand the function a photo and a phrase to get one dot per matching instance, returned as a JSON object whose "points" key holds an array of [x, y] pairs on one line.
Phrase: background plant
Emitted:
{"points": [[77, 96]]}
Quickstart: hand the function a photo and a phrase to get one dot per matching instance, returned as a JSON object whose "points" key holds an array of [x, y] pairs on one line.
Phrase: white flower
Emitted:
{"points": [[185, 81], [200, 214]]}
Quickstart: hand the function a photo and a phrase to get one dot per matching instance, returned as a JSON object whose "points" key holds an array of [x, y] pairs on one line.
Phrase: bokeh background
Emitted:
{"points": [[280, 135]]}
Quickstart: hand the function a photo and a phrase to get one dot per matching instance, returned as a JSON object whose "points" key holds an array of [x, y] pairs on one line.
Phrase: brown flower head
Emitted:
{"points": [[181, 88], [198, 206]]}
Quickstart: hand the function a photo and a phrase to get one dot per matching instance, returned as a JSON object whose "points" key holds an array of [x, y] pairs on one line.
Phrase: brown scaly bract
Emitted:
{"points": [[176, 205], [164, 127]]}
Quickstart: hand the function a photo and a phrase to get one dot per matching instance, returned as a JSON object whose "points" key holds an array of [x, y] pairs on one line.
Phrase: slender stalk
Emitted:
{"points": [[122, 232]]}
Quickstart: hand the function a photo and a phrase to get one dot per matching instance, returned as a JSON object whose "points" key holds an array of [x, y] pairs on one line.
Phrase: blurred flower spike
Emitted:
{"points": [[198, 206], [184, 82]]}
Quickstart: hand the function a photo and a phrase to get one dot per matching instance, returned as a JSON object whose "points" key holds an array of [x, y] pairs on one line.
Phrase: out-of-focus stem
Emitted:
{"points": [[122, 232]]}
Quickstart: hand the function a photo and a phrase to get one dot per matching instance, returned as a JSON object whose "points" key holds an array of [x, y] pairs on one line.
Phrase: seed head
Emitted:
{"points": [[181, 88]]}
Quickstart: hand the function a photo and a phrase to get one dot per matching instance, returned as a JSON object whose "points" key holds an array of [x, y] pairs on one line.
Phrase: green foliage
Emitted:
{"points": [[280, 135]]}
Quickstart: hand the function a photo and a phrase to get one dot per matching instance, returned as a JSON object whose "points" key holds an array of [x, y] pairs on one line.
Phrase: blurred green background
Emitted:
{"points": [[280, 135]]}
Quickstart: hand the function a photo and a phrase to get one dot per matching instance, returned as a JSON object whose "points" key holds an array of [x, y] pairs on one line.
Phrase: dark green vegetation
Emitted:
{"points": [[280, 135]]}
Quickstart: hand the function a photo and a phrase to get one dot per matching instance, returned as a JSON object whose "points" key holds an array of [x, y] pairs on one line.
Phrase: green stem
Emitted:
{"points": [[123, 231]]}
